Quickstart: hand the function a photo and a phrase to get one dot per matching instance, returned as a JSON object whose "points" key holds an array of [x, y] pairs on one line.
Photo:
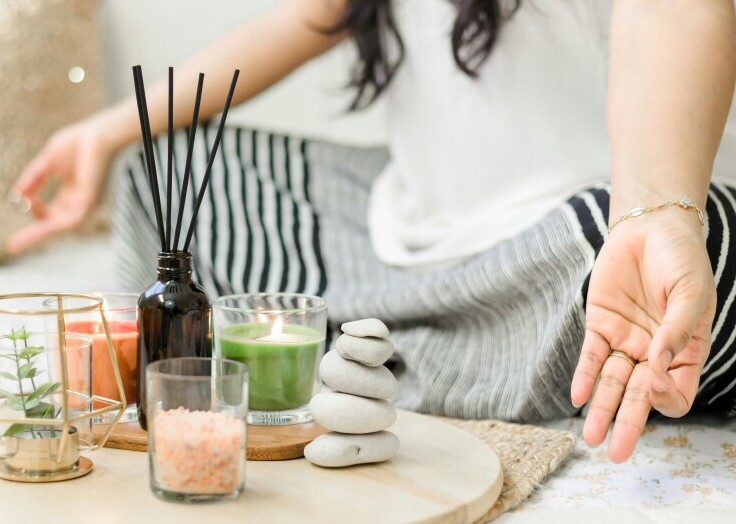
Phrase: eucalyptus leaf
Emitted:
{"points": [[20, 334], [27, 370], [44, 390], [16, 404], [31, 351], [42, 410], [8, 395], [8, 376], [31, 404], [15, 429]]}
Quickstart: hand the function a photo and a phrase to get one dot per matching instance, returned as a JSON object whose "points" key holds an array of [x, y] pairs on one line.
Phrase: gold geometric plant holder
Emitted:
{"points": [[66, 422]]}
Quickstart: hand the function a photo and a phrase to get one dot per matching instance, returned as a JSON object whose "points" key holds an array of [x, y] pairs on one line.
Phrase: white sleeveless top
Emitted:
{"points": [[477, 161]]}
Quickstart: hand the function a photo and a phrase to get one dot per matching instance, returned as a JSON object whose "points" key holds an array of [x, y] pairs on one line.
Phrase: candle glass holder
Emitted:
{"points": [[121, 311], [197, 409], [46, 398], [281, 338]]}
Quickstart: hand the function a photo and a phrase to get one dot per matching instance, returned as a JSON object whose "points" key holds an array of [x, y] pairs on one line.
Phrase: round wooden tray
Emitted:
{"points": [[441, 474]]}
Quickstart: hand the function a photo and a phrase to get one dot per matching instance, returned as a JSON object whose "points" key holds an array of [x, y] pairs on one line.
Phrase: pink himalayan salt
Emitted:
{"points": [[199, 451]]}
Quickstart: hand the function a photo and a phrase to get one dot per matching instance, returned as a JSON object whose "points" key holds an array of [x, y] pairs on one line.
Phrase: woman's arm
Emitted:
{"points": [[652, 294], [265, 49], [671, 80]]}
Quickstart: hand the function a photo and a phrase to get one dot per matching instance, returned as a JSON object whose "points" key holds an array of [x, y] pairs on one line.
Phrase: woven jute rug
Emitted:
{"points": [[527, 455]]}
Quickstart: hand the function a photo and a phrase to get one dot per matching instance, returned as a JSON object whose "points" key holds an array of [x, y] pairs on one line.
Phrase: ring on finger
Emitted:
{"points": [[621, 354]]}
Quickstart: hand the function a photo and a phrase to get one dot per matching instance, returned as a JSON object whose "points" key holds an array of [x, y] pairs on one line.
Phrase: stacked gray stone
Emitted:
{"points": [[358, 409]]}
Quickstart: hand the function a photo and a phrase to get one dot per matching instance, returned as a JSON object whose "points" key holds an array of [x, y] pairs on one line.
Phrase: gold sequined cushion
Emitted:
{"points": [[49, 76]]}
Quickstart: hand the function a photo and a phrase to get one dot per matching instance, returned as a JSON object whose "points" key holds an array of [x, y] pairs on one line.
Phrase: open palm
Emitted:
{"points": [[651, 296]]}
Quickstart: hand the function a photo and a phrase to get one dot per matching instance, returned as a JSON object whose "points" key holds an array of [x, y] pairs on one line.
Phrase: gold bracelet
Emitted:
{"points": [[683, 203]]}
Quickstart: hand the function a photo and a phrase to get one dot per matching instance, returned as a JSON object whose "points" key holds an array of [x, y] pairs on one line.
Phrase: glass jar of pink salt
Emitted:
{"points": [[197, 409]]}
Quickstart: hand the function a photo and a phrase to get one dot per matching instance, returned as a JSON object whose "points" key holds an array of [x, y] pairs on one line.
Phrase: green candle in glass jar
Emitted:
{"points": [[281, 363], [281, 338]]}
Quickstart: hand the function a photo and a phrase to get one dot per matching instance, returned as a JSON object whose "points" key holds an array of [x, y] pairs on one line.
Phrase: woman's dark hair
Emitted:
{"points": [[381, 50]]}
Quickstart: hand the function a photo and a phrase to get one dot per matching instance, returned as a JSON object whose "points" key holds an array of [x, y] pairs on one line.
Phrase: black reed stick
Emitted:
{"points": [[148, 150], [171, 159], [213, 153], [140, 118], [188, 167], [154, 176]]}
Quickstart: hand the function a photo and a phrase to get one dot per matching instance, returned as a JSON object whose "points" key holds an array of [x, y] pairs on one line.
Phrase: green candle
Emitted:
{"points": [[281, 365]]}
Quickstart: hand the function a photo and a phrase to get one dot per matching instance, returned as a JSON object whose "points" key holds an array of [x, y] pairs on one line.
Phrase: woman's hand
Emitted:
{"points": [[651, 296], [269, 47], [79, 156]]}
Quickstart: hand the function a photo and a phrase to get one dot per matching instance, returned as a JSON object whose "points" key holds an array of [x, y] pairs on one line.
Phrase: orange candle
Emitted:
{"points": [[124, 336]]}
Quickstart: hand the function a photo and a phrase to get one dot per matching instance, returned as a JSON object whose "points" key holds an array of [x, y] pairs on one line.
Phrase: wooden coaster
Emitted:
{"points": [[264, 442], [128, 436], [280, 442]]}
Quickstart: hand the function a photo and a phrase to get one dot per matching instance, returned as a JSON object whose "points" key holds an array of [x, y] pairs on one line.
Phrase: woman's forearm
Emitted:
{"points": [[265, 49], [671, 80]]}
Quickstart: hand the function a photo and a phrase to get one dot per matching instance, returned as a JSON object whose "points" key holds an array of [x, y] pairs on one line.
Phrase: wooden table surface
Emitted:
{"points": [[441, 474]]}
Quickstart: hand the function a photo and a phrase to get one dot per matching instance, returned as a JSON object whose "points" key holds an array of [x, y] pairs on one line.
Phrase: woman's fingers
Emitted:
{"points": [[64, 213], [30, 182], [639, 399], [593, 355], [29, 236], [35, 175], [606, 399], [672, 336], [79, 155], [676, 400], [37, 207], [632, 415], [35, 233]]}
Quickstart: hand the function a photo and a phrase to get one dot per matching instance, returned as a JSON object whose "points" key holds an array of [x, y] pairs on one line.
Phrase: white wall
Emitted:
{"points": [[160, 33]]}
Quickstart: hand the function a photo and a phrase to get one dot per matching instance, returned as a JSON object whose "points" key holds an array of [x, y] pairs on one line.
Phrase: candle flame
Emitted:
{"points": [[277, 327]]}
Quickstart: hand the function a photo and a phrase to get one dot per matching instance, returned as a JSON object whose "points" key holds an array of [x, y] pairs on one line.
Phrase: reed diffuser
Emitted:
{"points": [[174, 312]]}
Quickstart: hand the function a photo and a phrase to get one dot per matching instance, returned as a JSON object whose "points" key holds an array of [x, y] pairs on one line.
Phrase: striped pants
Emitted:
{"points": [[497, 336]]}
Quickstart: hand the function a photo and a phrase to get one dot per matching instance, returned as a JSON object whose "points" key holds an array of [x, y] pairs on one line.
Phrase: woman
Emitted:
{"points": [[491, 212]]}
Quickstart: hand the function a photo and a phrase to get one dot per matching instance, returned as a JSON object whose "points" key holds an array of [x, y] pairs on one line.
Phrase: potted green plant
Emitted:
{"points": [[26, 390]]}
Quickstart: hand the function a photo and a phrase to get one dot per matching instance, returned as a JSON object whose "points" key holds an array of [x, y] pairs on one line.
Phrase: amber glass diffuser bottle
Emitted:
{"points": [[174, 319]]}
